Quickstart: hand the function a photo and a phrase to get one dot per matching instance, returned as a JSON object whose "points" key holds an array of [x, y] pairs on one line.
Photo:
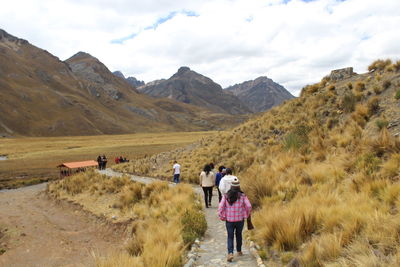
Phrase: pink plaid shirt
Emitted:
{"points": [[239, 210]]}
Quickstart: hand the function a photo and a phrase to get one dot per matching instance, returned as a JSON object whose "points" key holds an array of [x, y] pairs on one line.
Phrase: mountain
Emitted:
{"points": [[131, 80], [190, 87], [260, 94], [41, 95], [321, 170]]}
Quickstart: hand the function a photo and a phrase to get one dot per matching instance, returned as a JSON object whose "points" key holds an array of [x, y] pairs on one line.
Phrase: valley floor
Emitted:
{"points": [[39, 232]]}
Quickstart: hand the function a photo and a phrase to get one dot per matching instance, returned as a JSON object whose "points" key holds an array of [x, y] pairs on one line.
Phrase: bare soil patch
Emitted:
{"points": [[37, 231]]}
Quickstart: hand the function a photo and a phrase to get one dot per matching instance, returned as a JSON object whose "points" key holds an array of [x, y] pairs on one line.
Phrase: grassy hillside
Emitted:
{"points": [[321, 169]]}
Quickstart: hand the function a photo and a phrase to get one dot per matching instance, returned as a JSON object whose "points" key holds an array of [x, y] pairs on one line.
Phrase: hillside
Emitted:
{"points": [[43, 96], [189, 87], [322, 171], [260, 94]]}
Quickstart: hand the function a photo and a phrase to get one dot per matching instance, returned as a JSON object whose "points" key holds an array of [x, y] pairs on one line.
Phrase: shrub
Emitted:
{"points": [[350, 85], [377, 89], [360, 86], [373, 106], [397, 95], [381, 124], [194, 225], [297, 138], [348, 102], [386, 84], [397, 65], [379, 65]]}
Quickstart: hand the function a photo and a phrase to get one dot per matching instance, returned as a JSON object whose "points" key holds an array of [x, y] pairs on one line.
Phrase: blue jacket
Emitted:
{"points": [[218, 178]]}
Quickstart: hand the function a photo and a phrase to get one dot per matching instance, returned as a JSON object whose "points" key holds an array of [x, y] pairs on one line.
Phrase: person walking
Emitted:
{"points": [[218, 177], [99, 162], [176, 170], [234, 208], [104, 162], [225, 183], [207, 179]]}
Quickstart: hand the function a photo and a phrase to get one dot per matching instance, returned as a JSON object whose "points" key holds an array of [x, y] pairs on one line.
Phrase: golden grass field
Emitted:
{"points": [[161, 220], [34, 159]]}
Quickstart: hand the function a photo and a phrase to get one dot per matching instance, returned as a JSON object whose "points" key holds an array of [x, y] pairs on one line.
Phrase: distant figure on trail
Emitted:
{"points": [[176, 170], [103, 162], [207, 182], [225, 183], [99, 161], [121, 160], [218, 176], [234, 208], [116, 160]]}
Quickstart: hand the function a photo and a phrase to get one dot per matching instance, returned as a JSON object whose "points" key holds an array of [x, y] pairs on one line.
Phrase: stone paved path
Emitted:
{"points": [[213, 247]]}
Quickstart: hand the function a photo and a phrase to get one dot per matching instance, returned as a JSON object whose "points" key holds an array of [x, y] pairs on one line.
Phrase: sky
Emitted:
{"points": [[293, 42]]}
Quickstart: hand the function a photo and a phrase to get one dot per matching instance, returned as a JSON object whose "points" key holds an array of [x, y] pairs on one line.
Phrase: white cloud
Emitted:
{"points": [[293, 42]]}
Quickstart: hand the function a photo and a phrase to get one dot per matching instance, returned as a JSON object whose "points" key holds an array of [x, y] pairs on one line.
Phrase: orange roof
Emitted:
{"points": [[79, 164]]}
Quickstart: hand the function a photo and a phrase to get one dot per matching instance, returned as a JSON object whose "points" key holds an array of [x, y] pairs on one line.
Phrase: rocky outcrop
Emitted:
{"points": [[260, 94], [341, 74], [193, 88]]}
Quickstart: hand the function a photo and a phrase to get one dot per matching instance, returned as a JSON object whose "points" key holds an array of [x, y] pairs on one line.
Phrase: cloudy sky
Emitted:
{"points": [[293, 42]]}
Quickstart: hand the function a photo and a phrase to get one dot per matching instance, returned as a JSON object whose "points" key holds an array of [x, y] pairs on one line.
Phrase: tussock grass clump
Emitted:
{"points": [[379, 64], [165, 219]]}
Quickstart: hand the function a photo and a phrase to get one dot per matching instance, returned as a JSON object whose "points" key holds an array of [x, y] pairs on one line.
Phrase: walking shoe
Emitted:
{"points": [[230, 257], [209, 204], [240, 253]]}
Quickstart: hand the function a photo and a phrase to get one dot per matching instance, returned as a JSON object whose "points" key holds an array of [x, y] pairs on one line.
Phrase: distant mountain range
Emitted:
{"points": [[41, 95], [190, 87], [260, 94]]}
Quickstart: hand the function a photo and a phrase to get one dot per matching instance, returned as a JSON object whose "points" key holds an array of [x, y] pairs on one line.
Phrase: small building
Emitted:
{"points": [[69, 168]]}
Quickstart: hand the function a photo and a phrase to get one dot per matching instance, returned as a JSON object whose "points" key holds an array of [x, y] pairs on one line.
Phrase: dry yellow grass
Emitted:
{"points": [[162, 220], [323, 178], [33, 160]]}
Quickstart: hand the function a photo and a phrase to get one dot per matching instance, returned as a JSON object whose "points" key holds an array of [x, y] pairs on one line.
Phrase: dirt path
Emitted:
{"points": [[41, 232], [213, 247]]}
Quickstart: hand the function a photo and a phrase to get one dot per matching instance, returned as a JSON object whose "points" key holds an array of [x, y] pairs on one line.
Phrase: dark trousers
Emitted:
{"points": [[234, 228], [207, 194], [219, 195], [176, 178]]}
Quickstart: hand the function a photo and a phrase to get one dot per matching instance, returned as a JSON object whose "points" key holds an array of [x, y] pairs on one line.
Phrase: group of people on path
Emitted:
{"points": [[234, 207], [120, 159], [102, 161]]}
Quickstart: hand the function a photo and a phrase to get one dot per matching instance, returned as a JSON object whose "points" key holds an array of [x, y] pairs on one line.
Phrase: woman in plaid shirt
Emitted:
{"points": [[234, 208]]}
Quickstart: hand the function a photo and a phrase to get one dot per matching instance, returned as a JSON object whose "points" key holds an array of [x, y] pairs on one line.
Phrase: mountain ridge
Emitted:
{"points": [[260, 94]]}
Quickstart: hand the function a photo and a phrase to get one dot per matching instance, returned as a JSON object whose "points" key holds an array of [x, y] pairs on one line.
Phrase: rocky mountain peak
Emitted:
{"points": [[183, 70], [119, 74], [260, 94]]}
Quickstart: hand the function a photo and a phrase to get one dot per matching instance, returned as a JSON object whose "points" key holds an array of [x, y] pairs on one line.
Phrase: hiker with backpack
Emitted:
{"points": [[234, 209], [207, 179]]}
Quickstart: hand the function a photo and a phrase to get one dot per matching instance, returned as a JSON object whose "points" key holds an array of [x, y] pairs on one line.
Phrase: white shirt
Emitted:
{"points": [[225, 183], [177, 168]]}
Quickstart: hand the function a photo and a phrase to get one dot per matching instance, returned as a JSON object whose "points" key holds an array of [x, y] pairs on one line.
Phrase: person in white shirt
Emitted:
{"points": [[226, 182], [176, 171]]}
